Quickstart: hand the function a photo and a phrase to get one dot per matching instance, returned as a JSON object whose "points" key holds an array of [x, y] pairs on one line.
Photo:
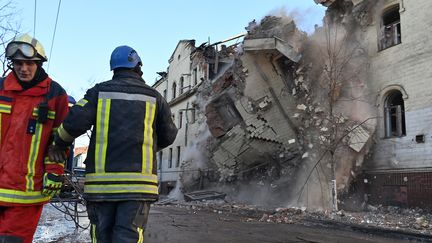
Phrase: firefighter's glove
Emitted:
{"points": [[52, 184], [57, 153]]}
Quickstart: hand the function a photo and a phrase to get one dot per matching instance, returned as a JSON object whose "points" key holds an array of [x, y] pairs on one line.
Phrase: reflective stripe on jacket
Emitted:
{"points": [[24, 141], [130, 122]]}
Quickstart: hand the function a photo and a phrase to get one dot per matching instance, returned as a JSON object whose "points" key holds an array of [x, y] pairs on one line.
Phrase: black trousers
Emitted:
{"points": [[118, 222]]}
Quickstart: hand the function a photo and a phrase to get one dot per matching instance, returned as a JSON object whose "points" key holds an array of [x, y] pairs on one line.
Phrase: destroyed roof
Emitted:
{"points": [[192, 42], [327, 3]]}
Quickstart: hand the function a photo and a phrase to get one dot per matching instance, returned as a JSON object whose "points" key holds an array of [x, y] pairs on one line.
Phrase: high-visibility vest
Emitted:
{"points": [[130, 121], [24, 140]]}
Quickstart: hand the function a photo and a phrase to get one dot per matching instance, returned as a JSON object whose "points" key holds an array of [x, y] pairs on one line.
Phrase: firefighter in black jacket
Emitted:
{"points": [[131, 122]]}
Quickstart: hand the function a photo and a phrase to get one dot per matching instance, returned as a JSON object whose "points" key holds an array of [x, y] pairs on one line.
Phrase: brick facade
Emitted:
{"points": [[399, 170], [405, 189]]}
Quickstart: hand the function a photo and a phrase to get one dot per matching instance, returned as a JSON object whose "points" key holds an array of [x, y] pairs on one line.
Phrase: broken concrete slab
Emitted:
{"points": [[203, 195], [272, 43], [358, 137]]}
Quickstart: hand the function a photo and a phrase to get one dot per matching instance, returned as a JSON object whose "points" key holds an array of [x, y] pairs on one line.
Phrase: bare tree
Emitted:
{"points": [[9, 27], [339, 67]]}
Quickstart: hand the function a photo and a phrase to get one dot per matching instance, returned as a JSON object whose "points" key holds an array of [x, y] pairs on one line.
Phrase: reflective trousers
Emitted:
{"points": [[19, 223], [118, 222]]}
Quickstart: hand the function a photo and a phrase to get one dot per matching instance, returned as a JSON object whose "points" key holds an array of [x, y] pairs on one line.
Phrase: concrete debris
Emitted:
{"points": [[203, 195], [269, 44], [250, 96], [166, 201], [358, 137], [328, 3], [301, 107], [405, 221]]}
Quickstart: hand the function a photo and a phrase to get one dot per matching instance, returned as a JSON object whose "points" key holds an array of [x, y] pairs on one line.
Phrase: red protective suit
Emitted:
{"points": [[23, 144]]}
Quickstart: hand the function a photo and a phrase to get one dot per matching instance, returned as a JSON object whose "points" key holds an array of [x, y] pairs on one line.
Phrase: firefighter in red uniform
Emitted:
{"points": [[32, 106]]}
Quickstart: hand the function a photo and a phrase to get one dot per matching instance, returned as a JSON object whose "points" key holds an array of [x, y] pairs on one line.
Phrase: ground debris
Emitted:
{"points": [[383, 217]]}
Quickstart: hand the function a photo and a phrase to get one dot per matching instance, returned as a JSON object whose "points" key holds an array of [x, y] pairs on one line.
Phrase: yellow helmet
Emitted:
{"points": [[25, 47]]}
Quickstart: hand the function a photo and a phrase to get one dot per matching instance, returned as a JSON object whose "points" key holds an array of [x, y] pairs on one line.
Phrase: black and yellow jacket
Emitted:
{"points": [[131, 121]]}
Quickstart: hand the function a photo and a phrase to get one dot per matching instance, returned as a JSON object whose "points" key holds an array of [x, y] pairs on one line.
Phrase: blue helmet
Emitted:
{"points": [[124, 57]]}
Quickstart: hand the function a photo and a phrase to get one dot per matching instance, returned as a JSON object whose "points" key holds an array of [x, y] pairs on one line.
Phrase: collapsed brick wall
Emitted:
{"points": [[284, 110]]}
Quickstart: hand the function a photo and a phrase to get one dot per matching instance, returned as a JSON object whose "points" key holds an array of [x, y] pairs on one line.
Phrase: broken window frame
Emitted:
{"points": [[390, 31], [225, 113], [394, 115]]}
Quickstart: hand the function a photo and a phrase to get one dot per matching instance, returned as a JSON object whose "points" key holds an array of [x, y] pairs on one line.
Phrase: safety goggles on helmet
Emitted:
{"points": [[23, 48]]}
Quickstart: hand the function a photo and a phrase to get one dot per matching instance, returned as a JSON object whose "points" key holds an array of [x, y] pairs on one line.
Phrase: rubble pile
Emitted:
{"points": [[415, 221], [293, 104]]}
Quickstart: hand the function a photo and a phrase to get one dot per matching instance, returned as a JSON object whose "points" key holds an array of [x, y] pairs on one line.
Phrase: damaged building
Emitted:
{"points": [[396, 35], [178, 86], [286, 117]]}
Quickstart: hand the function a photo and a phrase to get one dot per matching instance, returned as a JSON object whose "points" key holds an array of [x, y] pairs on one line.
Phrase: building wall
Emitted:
{"points": [[182, 103], [407, 189], [263, 82], [405, 67]]}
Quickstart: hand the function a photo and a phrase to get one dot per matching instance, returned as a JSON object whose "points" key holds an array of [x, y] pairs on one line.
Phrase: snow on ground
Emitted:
{"points": [[57, 226]]}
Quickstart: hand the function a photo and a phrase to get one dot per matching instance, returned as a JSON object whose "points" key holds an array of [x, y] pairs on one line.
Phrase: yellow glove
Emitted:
{"points": [[52, 184]]}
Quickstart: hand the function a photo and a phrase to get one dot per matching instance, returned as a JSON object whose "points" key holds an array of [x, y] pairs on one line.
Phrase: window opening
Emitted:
{"points": [[180, 119], [181, 85], [390, 29], [178, 157], [174, 89], [170, 158], [394, 114], [160, 160], [195, 77]]}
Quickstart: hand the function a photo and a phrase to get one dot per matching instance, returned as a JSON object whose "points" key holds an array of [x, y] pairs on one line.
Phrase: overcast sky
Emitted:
{"points": [[88, 31]]}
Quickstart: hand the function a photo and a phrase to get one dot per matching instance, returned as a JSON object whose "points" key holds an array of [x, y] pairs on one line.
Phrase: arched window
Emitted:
{"points": [[390, 28], [394, 115], [174, 90]]}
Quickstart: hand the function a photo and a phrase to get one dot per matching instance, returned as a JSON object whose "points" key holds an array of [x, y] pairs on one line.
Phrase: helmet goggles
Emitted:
{"points": [[25, 49]]}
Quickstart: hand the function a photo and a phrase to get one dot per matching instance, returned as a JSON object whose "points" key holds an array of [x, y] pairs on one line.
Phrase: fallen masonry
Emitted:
{"points": [[413, 224]]}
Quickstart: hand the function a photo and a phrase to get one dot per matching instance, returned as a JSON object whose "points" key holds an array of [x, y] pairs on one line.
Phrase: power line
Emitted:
{"points": [[55, 29], [34, 20]]}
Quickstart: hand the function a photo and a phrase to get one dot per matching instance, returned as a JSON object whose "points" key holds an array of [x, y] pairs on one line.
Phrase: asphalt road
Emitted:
{"points": [[170, 224]]}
